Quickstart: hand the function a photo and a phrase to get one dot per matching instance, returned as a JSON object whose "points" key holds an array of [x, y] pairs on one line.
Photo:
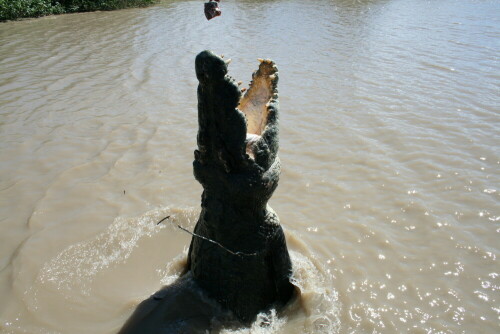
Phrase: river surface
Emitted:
{"points": [[390, 149]]}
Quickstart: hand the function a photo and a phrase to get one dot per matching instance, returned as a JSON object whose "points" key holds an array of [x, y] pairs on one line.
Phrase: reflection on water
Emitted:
{"points": [[389, 144]]}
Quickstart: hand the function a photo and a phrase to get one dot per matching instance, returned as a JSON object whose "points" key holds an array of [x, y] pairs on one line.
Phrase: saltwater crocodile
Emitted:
{"points": [[238, 167], [238, 254]]}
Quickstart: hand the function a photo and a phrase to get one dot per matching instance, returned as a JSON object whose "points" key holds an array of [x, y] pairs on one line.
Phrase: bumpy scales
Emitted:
{"points": [[238, 254], [237, 165]]}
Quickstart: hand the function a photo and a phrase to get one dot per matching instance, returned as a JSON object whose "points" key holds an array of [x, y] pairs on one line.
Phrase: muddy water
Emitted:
{"points": [[389, 143]]}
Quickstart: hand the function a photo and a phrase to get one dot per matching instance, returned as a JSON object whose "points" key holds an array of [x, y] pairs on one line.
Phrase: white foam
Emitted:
{"points": [[316, 309], [317, 295], [77, 265]]}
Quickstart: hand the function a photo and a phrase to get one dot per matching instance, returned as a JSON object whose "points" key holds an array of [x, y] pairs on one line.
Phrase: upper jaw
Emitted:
{"points": [[261, 94], [245, 121]]}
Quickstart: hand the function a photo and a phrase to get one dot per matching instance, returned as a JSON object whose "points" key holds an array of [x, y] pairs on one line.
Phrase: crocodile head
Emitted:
{"points": [[238, 128]]}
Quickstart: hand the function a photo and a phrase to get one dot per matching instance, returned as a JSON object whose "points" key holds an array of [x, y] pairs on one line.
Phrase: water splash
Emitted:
{"points": [[76, 266]]}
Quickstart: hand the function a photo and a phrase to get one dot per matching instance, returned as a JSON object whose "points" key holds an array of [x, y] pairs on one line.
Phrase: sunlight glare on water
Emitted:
{"points": [[389, 142]]}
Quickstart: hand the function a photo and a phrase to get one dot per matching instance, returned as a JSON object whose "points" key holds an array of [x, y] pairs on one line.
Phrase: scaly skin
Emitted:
{"points": [[239, 172], [245, 266]]}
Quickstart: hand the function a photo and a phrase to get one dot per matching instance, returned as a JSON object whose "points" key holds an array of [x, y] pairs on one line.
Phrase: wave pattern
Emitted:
{"points": [[389, 132]]}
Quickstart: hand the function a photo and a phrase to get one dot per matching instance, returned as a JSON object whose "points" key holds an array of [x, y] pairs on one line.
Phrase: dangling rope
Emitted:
{"points": [[210, 240]]}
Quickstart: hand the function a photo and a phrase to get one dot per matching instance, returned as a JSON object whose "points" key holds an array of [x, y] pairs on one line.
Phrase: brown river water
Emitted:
{"points": [[390, 150]]}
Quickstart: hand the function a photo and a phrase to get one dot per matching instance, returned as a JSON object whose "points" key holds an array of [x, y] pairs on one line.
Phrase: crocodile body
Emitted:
{"points": [[238, 255], [238, 167]]}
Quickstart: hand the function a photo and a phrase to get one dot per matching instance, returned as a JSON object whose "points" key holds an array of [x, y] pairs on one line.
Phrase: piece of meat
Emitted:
{"points": [[212, 9]]}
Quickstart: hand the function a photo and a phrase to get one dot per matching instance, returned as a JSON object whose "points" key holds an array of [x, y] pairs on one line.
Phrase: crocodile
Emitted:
{"points": [[238, 255], [238, 166]]}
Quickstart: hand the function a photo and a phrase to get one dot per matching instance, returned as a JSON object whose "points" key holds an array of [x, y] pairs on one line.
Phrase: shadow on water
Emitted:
{"points": [[181, 307], [401, 95]]}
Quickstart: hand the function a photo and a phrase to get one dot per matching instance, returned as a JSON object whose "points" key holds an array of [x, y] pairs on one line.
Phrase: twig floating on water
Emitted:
{"points": [[163, 220]]}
